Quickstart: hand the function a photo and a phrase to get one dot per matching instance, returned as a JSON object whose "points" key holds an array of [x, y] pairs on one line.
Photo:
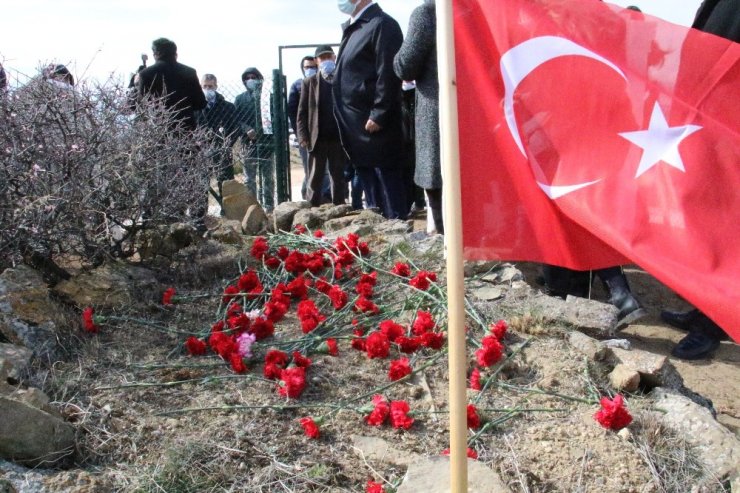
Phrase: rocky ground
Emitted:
{"points": [[127, 409]]}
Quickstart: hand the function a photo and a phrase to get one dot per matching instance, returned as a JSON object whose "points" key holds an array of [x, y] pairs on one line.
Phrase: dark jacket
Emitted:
{"points": [[720, 17], [309, 110], [365, 87], [221, 115], [294, 96], [178, 84], [417, 60], [249, 116]]}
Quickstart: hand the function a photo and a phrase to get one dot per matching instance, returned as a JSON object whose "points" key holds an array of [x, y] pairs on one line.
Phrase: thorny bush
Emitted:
{"points": [[83, 175]]}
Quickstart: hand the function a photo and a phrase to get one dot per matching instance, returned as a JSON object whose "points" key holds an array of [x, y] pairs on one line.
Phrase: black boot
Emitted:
{"points": [[438, 223], [679, 320], [562, 282], [703, 338], [620, 296]]}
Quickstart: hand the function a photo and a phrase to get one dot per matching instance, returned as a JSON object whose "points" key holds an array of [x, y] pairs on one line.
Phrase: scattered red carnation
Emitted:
{"points": [[422, 280], [499, 329], [195, 346], [613, 414], [300, 360], [332, 347], [381, 411], [338, 297], [408, 345], [310, 428], [373, 487], [475, 379], [299, 229], [490, 353], [309, 316], [272, 262], [237, 363], [229, 293], [292, 382], [433, 340], [167, 296], [364, 305], [401, 269], [259, 248], [470, 452], [298, 288], [392, 330], [423, 323], [275, 362], [399, 415], [377, 345], [318, 234], [399, 369], [473, 418], [88, 320]]}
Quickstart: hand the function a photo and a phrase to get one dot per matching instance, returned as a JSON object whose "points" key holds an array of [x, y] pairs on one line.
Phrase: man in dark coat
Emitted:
{"points": [[367, 98], [219, 117], [308, 68], [177, 83], [720, 17], [318, 131], [257, 145]]}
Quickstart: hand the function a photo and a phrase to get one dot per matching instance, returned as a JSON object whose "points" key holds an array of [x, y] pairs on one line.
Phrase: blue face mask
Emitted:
{"points": [[327, 67], [346, 6], [252, 84], [310, 72]]}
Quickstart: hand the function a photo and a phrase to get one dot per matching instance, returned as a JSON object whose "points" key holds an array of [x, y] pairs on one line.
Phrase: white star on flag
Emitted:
{"points": [[659, 142]]}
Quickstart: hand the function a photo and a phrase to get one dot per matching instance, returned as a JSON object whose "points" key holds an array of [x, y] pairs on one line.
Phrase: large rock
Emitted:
{"points": [[15, 359], [283, 214], [587, 345], [718, 447], [28, 317], [211, 261], [167, 240], [235, 206], [309, 218], [254, 221], [232, 187], [655, 370], [624, 379], [432, 475], [31, 436], [112, 285], [228, 232]]}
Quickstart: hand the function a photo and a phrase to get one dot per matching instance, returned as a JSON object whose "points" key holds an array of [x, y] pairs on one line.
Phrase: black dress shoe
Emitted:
{"points": [[696, 345], [679, 320]]}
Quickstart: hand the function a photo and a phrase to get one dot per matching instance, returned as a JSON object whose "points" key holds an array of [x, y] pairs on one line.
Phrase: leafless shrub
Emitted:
{"points": [[82, 175]]}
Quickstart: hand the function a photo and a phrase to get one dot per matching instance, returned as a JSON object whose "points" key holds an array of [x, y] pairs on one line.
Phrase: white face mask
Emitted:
{"points": [[210, 95], [327, 67], [346, 6], [407, 86], [310, 72], [252, 84]]}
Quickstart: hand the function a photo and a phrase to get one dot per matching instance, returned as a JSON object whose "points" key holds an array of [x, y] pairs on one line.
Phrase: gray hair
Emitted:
{"points": [[210, 77]]}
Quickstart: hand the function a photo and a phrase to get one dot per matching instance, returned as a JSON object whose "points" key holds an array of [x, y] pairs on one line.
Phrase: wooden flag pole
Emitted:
{"points": [[450, 156]]}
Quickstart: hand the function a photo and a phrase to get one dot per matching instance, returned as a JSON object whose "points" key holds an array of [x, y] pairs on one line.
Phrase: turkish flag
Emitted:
{"points": [[593, 136]]}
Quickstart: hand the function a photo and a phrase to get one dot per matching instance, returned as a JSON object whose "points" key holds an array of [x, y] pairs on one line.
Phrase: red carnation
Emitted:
{"points": [[422, 279], [322, 285], [475, 379], [88, 320], [490, 353], [470, 452], [381, 411], [300, 360], [401, 269], [309, 316], [371, 279], [195, 346], [283, 252], [237, 363], [392, 330], [377, 345], [223, 344], [167, 296], [275, 311], [298, 288], [366, 306], [338, 297], [613, 414], [499, 329], [315, 263], [229, 293], [373, 487], [218, 326], [423, 323], [262, 328], [399, 415], [248, 281], [239, 323], [433, 340], [364, 289], [318, 234], [272, 371], [399, 369], [259, 248], [358, 342], [276, 357], [272, 262], [310, 428], [292, 382], [331, 344], [408, 345], [473, 418], [295, 263], [299, 229]]}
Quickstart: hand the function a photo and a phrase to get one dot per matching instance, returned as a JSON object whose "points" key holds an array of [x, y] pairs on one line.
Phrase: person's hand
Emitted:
{"points": [[303, 143], [251, 134], [372, 127]]}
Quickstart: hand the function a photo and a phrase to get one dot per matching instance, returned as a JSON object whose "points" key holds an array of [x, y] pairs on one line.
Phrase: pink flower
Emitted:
{"points": [[244, 344]]}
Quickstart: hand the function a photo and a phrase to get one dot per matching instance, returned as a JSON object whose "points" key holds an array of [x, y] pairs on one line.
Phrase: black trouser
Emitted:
{"points": [[326, 154], [386, 185]]}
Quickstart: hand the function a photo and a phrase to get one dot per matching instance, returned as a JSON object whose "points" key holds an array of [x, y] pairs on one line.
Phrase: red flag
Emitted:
{"points": [[593, 136]]}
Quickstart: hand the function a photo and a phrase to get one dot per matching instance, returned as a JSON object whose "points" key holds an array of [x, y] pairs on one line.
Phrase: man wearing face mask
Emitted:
{"points": [[308, 68], [219, 117], [367, 97], [318, 131], [257, 146]]}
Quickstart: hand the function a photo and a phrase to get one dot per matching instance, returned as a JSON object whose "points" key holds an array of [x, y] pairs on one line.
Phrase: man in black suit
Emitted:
{"points": [[177, 83]]}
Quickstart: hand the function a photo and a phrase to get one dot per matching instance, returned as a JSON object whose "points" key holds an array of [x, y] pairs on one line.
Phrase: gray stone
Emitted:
{"points": [[32, 436], [18, 359], [228, 232], [254, 221], [718, 447], [28, 316], [503, 273], [655, 370], [232, 187], [235, 206], [477, 267], [181, 235], [586, 345], [378, 450], [111, 285], [488, 293], [282, 215], [309, 218], [329, 211], [432, 475], [624, 378], [337, 224]]}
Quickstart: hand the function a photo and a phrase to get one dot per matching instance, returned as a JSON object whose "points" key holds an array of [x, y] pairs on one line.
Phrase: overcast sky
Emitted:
{"points": [[97, 38]]}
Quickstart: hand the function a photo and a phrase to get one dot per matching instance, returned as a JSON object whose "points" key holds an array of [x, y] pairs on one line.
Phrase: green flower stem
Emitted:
{"points": [[216, 364], [531, 390], [174, 383], [279, 407]]}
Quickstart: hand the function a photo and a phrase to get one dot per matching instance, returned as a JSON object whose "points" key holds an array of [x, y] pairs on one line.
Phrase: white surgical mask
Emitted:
{"points": [[252, 84], [327, 67], [310, 72], [346, 6], [210, 95], [407, 86]]}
